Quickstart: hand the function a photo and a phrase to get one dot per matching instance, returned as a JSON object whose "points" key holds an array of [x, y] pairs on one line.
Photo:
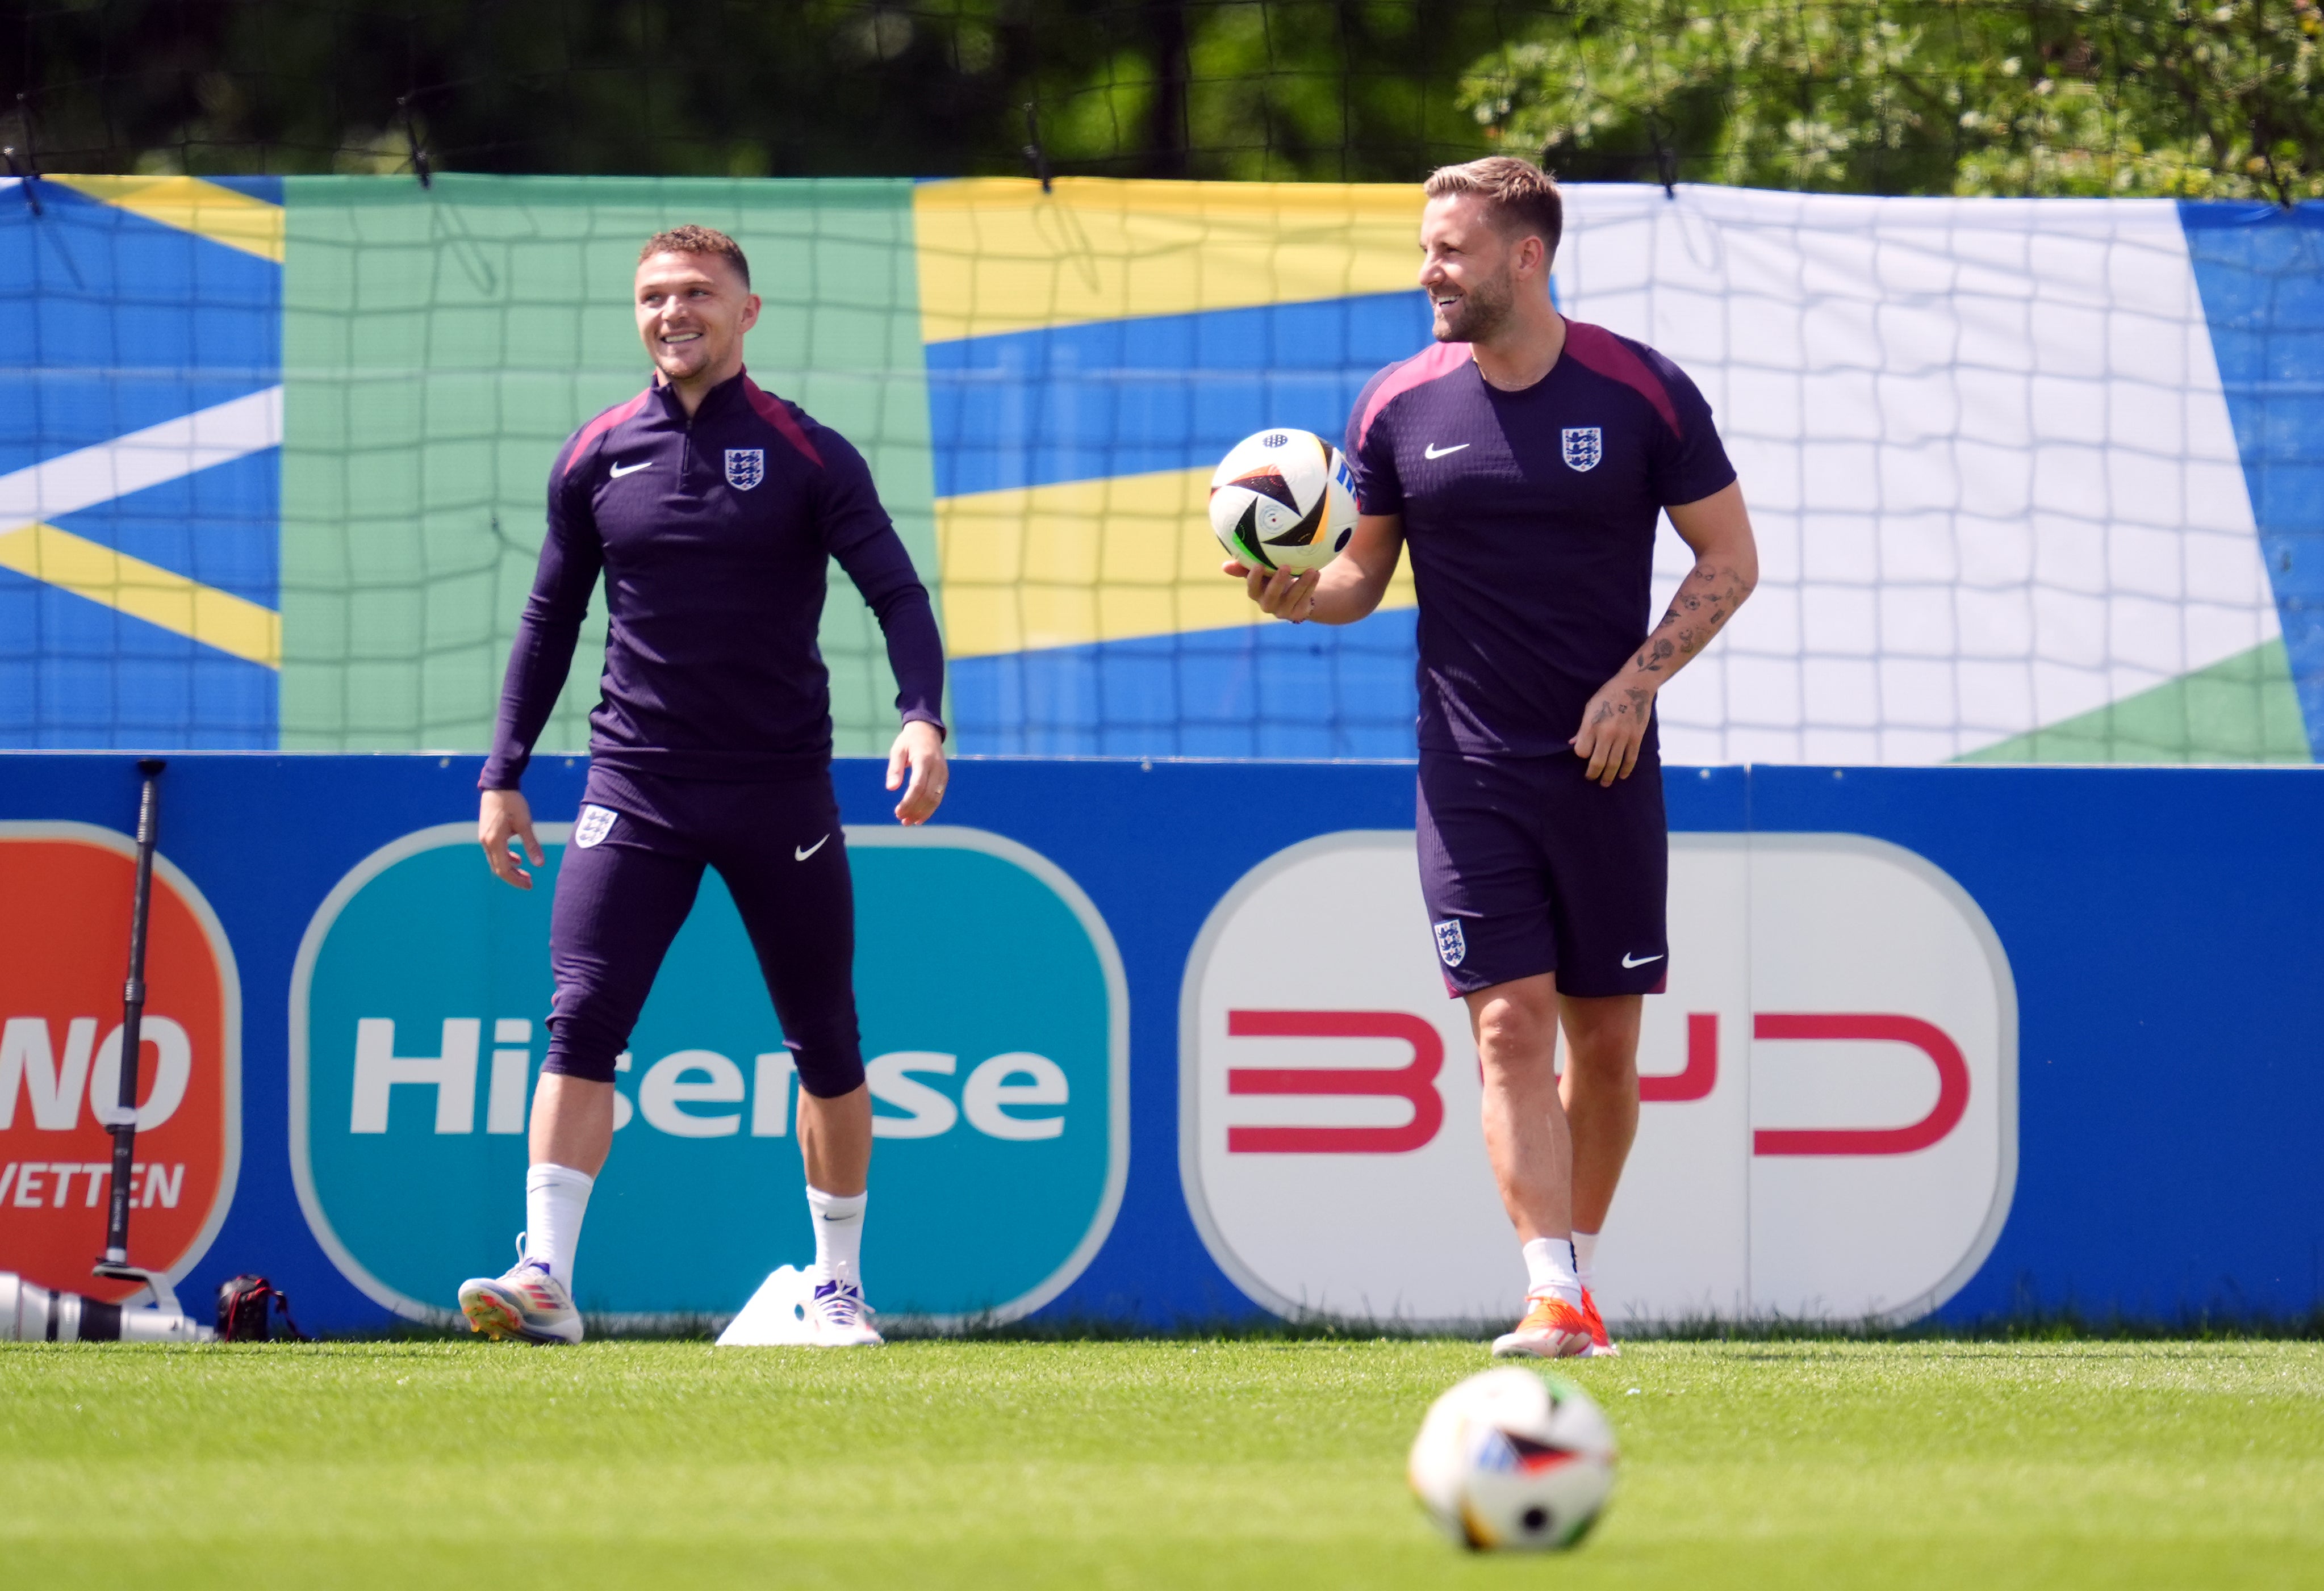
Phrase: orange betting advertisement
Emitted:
{"points": [[66, 892]]}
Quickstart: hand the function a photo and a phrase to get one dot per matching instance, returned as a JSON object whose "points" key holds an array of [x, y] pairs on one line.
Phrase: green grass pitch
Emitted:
{"points": [[1164, 1464]]}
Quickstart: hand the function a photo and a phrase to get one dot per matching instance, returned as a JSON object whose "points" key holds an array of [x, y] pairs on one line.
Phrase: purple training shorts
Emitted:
{"points": [[1529, 868]]}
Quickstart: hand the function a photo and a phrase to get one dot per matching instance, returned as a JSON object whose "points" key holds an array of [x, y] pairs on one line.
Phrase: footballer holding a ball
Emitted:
{"points": [[1525, 458]]}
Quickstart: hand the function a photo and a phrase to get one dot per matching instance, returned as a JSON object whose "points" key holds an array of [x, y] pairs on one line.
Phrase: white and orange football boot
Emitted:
{"points": [[1601, 1346], [1553, 1329], [525, 1302]]}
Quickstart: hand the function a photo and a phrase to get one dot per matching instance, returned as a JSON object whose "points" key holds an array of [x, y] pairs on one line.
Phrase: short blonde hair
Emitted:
{"points": [[1519, 196], [691, 239]]}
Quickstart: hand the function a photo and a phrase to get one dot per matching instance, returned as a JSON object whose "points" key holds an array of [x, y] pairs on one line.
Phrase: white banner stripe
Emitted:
{"points": [[158, 454]]}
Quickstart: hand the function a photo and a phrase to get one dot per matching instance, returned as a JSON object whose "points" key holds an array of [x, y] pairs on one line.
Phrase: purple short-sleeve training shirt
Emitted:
{"points": [[1530, 518]]}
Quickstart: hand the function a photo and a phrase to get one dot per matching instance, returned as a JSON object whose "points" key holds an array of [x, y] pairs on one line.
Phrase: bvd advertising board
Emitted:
{"points": [[1161, 1043]]}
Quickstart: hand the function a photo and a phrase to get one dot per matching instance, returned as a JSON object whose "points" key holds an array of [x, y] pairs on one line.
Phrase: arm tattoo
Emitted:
{"points": [[1706, 599]]}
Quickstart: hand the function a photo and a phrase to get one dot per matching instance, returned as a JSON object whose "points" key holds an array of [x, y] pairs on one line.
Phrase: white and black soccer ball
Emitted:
{"points": [[1283, 499], [1511, 1458]]}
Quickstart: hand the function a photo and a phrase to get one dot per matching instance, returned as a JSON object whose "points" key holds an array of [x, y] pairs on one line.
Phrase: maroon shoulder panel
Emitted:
{"points": [[1438, 360], [1596, 349], [603, 424], [777, 413]]}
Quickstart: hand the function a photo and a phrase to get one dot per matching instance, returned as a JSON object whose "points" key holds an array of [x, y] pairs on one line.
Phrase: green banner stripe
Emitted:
{"points": [[441, 343]]}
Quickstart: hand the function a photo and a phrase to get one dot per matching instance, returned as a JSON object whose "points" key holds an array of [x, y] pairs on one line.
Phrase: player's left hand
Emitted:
{"points": [[920, 751], [1614, 726]]}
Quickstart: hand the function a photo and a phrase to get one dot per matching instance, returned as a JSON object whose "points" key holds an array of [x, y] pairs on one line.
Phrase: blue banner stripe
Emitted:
{"points": [[1247, 692], [219, 527], [2259, 269], [1171, 391], [78, 675], [111, 323]]}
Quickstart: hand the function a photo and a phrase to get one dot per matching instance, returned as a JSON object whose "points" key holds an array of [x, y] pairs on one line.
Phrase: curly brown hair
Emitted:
{"points": [[691, 239], [1519, 196]]}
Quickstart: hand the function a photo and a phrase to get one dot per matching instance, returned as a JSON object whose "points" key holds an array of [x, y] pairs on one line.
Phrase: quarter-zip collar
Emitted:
{"points": [[714, 402]]}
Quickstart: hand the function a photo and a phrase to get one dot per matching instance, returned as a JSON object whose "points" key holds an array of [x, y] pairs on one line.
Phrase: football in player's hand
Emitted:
{"points": [[1283, 499]]}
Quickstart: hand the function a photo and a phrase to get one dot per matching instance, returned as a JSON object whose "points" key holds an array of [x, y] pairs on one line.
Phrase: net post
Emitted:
{"points": [[21, 165], [420, 166], [124, 1125], [1034, 156], [1665, 157]]}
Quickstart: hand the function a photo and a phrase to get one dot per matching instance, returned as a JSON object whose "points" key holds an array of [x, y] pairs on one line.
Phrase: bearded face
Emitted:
{"points": [[1468, 269], [1475, 312]]}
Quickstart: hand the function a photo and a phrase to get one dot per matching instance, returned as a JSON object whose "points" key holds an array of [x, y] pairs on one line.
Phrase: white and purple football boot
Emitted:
{"points": [[525, 1302], [839, 1316]]}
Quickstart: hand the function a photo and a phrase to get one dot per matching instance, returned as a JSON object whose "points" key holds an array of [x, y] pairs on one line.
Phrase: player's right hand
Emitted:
{"points": [[504, 816], [1279, 592]]}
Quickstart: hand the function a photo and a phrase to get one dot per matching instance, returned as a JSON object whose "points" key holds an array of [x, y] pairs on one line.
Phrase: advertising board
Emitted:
{"points": [[1829, 1119], [1158, 1044], [995, 1034], [64, 891]]}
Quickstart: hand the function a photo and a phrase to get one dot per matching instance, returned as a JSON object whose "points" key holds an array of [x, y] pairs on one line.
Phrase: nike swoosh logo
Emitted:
{"points": [[1642, 960], [802, 853], [618, 471], [1432, 451]]}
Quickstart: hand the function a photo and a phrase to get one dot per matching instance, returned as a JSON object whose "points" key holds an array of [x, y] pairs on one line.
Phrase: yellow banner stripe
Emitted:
{"points": [[1082, 561], [997, 254], [145, 591], [219, 214]]}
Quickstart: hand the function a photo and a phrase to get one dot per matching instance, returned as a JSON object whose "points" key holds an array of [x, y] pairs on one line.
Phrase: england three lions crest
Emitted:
{"points": [[595, 823], [1451, 943], [747, 467], [1584, 447]]}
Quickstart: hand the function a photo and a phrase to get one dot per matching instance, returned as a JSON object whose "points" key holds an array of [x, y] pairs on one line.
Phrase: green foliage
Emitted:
{"points": [[1348, 90], [664, 88], [1944, 97], [1214, 89], [2008, 97]]}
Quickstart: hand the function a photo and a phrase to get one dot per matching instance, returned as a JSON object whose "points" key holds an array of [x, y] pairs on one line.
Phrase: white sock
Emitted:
{"points": [[1549, 1268], [838, 1233], [555, 1198], [1585, 1257]]}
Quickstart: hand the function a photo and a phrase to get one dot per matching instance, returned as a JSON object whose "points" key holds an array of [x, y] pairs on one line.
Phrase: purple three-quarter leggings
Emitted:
{"points": [[629, 879]]}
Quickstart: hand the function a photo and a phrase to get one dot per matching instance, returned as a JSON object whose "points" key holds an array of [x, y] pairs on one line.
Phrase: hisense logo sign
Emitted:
{"points": [[64, 894], [994, 1018], [694, 1093]]}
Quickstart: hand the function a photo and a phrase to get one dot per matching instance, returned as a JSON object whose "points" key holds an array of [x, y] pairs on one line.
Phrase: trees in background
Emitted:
{"points": [[1352, 88], [2093, 96], [1971, 96]]}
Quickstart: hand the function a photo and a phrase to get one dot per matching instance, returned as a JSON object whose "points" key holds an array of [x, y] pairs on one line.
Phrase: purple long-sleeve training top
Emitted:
{"points": [[713, 535]]}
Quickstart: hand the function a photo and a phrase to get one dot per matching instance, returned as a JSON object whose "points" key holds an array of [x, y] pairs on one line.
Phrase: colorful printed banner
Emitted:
{"points": [[2034, 481]]}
